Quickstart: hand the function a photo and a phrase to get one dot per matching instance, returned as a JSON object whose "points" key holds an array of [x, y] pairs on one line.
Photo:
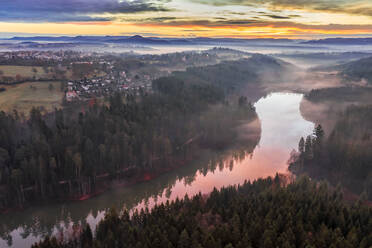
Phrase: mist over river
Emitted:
{"points": [[281, 128]]}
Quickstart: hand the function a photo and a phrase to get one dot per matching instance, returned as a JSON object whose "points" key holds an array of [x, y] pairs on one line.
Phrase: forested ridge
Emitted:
{"points": [[357, 70], [264, 213], [342, 156], [348, 94], [68, 154]]}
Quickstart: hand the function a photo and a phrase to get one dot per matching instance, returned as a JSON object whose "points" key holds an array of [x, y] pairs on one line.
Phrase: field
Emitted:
{"points": [[19, 73], [23, 97], [23, 71]]}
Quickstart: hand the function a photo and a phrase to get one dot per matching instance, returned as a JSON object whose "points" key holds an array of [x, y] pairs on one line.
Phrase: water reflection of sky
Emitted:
{"points": [[282, 127]]}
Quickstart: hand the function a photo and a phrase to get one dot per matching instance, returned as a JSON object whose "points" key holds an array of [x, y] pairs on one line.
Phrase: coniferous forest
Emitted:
{"points": [[264, 213], [343, 156], [185, 123], [78, 150]]}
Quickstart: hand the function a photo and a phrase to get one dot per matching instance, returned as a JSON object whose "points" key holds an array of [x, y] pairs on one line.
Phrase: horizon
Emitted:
{"points": [[189, 18], [31, 35]]}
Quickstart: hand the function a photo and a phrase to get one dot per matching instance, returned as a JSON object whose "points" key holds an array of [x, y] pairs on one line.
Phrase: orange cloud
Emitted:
{"points": [[176, 28]]}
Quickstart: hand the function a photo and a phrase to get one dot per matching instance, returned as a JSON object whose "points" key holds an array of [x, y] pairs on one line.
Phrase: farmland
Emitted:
{"points": [[24, 71], [23, 97]]}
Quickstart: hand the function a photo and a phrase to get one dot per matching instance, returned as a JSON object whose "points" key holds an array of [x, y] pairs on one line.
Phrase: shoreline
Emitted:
{"points": [[142, 177]]}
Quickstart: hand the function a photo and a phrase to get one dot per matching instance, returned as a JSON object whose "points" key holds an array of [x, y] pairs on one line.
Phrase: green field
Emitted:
{"points": [[23, 97]]}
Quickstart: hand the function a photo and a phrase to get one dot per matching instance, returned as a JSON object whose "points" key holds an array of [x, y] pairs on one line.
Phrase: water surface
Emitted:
{"points": [[281, 128]]}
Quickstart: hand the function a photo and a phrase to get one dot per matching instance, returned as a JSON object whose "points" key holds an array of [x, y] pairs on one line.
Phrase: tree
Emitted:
{"points": [[318, 132], [184, 240], [309, 147], [243, 101], [87, 237], [4, 157], [301, 145], [78, 162], [18, 78]]}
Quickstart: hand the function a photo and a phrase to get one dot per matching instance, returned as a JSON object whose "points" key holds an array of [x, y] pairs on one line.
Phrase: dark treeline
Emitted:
{"points": [[68, 154], [344, 94], [344, 156], [259, 214], [232, 75], [357, 70], [210, 161]]}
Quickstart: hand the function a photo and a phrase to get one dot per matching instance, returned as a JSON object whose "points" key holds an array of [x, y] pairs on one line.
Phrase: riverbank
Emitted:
{"points": [[276, 112], [249, 135], [143, 176]]}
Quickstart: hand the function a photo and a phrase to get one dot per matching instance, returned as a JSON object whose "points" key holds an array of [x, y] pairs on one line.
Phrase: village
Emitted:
{"points": [[88, 75], [24, 56], [106, 85]]}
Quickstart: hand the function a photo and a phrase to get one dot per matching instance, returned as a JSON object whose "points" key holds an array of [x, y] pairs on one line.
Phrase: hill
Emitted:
{"points": [[359, 70], [340, 41], [148, 40], [354, 71]]}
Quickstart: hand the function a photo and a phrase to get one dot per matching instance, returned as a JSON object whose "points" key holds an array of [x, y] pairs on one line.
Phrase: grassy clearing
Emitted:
{"points": [[23, 97], [24, 71], [19, 73]]}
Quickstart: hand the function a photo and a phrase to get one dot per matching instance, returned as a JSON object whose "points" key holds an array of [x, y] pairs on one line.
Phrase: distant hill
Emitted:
{"points": [[232, 75], [357, 70], [341, 41], [42, 38], [354, 71], [138, 39]]}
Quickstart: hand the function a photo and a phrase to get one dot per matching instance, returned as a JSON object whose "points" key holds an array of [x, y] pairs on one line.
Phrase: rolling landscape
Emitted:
{"points": [[185, 123]]}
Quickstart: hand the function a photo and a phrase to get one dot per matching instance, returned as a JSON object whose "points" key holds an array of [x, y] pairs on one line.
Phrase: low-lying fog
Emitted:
{"points": [[295, 52]]}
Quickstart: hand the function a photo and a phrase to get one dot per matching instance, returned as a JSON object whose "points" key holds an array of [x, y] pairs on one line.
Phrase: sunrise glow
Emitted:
{"points": [[189, 18]]}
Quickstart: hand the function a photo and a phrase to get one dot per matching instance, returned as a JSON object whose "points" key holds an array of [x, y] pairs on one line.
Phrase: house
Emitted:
{"points": [[71, 95]]}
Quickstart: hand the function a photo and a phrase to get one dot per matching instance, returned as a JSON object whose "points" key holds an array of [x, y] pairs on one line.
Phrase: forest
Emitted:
{"points": [[266, 213], [79, 150], [347, 94], [342, 156], [359, 70]]}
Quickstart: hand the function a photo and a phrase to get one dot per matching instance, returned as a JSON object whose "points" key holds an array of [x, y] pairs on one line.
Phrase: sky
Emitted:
{"points": [[295, 19]]}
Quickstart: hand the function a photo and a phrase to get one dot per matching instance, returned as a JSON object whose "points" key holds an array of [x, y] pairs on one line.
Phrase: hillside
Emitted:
{"points": [[341, 154], [80, 153], [231, 75], [359, 70], [341, 41]]}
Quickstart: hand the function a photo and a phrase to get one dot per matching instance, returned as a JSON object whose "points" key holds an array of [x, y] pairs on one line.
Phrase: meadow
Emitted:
{"points": [[23, 97], [23, 71], [15, 73]]}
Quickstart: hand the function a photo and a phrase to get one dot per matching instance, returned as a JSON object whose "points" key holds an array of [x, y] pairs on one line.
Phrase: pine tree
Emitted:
{"points": [[184, 240], [301, 145]]}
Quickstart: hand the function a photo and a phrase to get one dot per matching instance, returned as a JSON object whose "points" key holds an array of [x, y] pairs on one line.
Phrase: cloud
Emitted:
{"points": [[254, 23], [72, 10], [278, 17], [355, 7]]}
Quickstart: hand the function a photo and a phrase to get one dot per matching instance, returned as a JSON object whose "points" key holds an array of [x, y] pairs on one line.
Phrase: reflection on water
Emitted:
{"points": [[281, 128]]}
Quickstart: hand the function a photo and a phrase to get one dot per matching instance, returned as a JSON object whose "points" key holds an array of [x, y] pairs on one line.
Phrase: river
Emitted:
{"points": [[281, 128]]}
